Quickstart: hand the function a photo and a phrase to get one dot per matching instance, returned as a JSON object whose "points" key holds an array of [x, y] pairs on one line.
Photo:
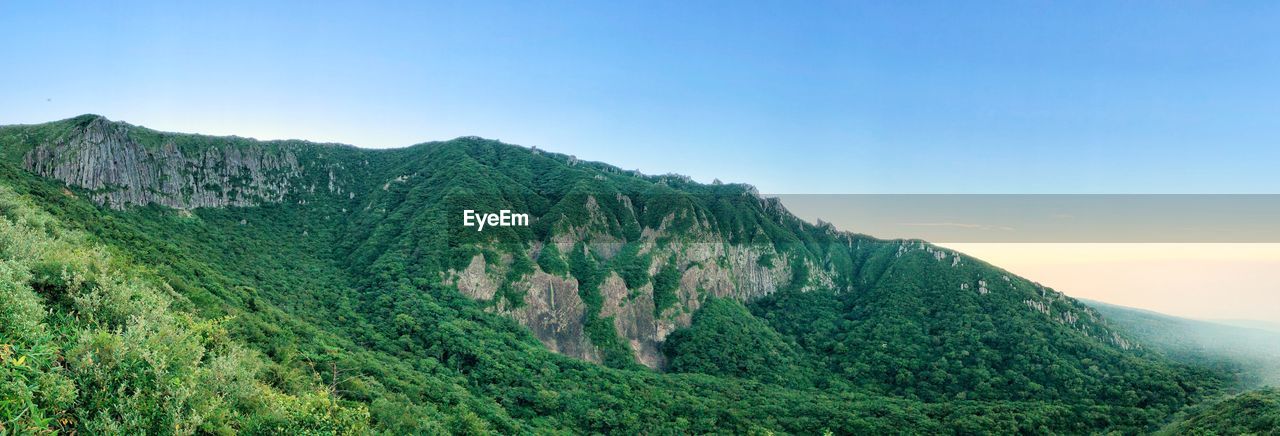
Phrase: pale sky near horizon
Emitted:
{"points": [[1208, 281], [813, 97]]}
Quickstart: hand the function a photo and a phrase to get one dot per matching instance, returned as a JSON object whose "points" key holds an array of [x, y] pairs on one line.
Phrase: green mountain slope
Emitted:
{"points": [[351, 269], [93, 342]]}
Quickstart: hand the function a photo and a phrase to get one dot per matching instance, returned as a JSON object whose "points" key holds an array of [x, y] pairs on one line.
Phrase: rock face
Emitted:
{"points": [[554, 311], [102, 157], [556, 315], [552, 308]]}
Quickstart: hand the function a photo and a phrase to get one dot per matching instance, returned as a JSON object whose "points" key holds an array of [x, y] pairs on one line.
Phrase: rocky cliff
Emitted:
{"points": [[708, 265], [104, 158], [552, 308]]}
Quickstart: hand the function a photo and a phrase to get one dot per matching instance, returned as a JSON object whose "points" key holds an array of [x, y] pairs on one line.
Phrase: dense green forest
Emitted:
{"points": [[91, 342], [1253, 413], [337, 309]]}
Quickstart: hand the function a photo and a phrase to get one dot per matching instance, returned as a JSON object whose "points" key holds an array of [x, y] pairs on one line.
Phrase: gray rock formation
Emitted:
{"points": [[102, 157], [554, 311]]}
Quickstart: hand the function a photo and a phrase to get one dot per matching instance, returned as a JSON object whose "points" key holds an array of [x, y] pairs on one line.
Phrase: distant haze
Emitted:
{"points": [[1180, 255], [1201, 280], [1195, 280]]}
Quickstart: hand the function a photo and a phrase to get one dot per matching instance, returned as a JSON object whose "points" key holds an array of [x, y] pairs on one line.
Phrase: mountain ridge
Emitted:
{"points": [[369, 245], [255, 178]]}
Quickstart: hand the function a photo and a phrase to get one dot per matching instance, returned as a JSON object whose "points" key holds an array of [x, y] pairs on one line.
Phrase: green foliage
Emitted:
{"points": [[584, 268], [665, 285], [726, 340], [910, 334], [632, 266], [110, 355], [551, 261], [601, 331], [765, 260], [1256, 412]]}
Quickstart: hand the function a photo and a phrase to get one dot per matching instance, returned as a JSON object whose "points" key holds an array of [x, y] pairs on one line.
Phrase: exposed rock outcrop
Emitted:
{"points": [[102, 157], [554, 311]]}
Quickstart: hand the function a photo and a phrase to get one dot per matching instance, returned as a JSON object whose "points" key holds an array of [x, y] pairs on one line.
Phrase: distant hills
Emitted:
{"points": [[1251, 354], [1251, 324]]}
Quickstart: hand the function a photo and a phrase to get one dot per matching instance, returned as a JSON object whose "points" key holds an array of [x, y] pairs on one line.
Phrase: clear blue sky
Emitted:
{"points": [[794, 97]]}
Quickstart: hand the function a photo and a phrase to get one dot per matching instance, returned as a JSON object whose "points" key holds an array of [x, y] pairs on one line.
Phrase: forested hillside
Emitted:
{"points": [[633, 303], [92, 342]]}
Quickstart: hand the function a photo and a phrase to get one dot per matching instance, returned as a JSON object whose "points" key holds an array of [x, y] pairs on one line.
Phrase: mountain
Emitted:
{"points": [[1252, 355], [631, 303]]}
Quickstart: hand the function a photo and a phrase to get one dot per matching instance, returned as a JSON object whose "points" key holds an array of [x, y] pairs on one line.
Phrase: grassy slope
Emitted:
{"points": [[92, 342]]}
